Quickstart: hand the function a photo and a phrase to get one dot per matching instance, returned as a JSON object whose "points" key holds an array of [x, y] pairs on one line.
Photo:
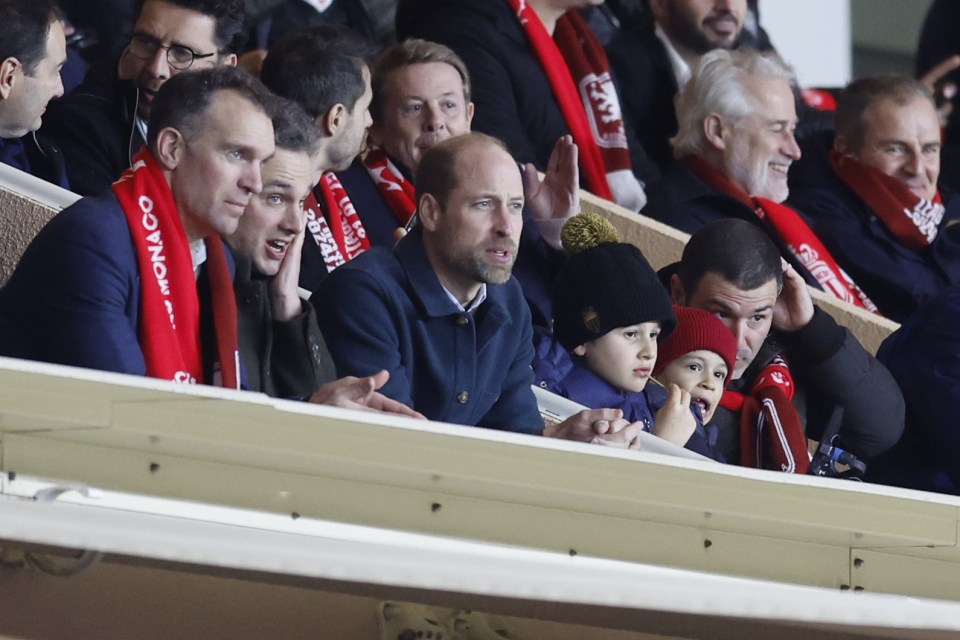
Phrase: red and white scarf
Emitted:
{"points": [[794, 232], [169, 307], [397, 191], [913, 220], [771, 433], [579, 74], [340, 234]]}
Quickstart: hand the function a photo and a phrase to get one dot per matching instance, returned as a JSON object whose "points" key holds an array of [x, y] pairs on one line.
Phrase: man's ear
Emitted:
{"points": [[658, 8], [469, 113], [842, 146], [715, 130], [333, 119], [8, 76], [677, 294], [579, 350], [169, 148], [229, 60], [429, 209]]}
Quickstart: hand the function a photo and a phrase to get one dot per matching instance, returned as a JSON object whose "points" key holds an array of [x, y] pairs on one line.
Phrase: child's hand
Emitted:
{"points": [[675, 422]]}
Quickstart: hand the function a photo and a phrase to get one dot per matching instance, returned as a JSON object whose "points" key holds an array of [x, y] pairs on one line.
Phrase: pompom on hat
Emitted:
{"points": [[604, 284], [697, 330]]}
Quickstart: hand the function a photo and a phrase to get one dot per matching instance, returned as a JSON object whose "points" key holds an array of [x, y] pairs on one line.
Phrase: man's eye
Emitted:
{"points": [[759, 318], [274, 199], [630, 335], [181, 54]]}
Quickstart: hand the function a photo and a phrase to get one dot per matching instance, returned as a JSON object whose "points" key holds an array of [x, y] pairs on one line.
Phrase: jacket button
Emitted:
{"points": [[463, 320], [462, 397]]}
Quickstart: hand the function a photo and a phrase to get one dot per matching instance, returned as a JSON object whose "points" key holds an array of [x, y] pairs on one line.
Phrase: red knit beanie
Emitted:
{"points": [[696, 330]]}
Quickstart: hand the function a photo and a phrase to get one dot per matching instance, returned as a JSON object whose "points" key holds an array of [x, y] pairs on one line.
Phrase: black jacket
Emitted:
{"points": [[94, 128], [513, 97]]}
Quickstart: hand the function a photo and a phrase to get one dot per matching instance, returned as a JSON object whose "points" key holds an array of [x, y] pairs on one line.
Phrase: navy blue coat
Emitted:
{"points": [[896, 278], [924, 358], [387, 310]]}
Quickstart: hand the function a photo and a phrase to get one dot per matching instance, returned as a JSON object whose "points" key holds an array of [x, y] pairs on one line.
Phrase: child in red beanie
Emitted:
{"points": [[698, 357]]}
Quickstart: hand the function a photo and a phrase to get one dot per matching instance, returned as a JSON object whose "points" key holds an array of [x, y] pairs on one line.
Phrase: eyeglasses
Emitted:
{"points": [[179, 57]]}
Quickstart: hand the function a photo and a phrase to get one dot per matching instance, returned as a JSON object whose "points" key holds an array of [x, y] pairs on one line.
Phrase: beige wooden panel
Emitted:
{"points": [[245, 450], [880, 571]]}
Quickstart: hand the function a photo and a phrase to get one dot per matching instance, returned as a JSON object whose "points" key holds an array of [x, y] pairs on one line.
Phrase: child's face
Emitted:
{"points": [[624, 357], [702, 373]]}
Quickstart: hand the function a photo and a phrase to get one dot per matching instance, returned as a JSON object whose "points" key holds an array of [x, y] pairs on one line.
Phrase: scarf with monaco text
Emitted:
{"points": [[579, 74], [793, 232], [169, 330], [339, 234], [913, 220]]}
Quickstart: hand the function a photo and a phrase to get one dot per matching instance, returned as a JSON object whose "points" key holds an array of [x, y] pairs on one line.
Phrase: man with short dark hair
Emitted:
{"points": [[324, 71], [32, 52], [732, 269], [880, 210], [441, 312], [136, 280], [102, 124]]}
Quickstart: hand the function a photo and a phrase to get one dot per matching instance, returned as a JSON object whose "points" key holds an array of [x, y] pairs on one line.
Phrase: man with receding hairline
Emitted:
{"points": [[136, 280], [441, 312]]}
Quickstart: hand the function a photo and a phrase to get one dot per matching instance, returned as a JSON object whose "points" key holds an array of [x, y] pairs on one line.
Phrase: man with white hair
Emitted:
{"points": [[735, 145]]}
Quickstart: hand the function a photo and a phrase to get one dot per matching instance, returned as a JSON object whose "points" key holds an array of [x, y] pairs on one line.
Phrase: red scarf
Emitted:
{"points": [[576, 53], [771, 433], [794, 232], [911, 219], [343, 238], [169, 307], [399, 193]]}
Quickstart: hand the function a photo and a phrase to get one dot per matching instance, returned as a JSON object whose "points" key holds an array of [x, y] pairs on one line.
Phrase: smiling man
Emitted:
{"points": [[441, 312], [882, 213], [735, 146], [103, 123], [137, 280], [795, 366]]}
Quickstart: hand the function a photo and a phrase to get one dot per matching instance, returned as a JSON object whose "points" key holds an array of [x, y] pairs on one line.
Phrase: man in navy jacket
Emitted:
{"points": [[442, 313]]}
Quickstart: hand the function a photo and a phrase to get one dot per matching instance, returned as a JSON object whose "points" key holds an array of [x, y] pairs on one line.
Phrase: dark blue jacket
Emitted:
{"points": [[74, 298], [387, 310], [924, 358], [555, 370], [896, 278]]}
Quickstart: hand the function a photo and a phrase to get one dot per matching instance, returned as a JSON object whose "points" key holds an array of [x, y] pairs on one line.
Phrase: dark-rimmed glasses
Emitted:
{"points": [[179, 57]]}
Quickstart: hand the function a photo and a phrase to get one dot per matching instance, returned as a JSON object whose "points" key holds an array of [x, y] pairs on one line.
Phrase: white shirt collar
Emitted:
{"points": [[476, 302], [681, 70], [198, 253]]}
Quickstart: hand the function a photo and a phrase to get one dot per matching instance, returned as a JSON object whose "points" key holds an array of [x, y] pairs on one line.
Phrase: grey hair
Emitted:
{"points": [[718, 86]]}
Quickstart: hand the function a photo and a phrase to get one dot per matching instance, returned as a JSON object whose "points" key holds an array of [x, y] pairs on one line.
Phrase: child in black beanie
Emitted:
{"points": [[609, 311]]}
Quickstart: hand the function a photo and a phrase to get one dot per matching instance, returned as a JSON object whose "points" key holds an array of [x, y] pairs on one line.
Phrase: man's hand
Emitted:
{"points": [[794, 307], [558, 196], [943, 92], [361, 394], [598, 426], [675, 422], [284, 297]]}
